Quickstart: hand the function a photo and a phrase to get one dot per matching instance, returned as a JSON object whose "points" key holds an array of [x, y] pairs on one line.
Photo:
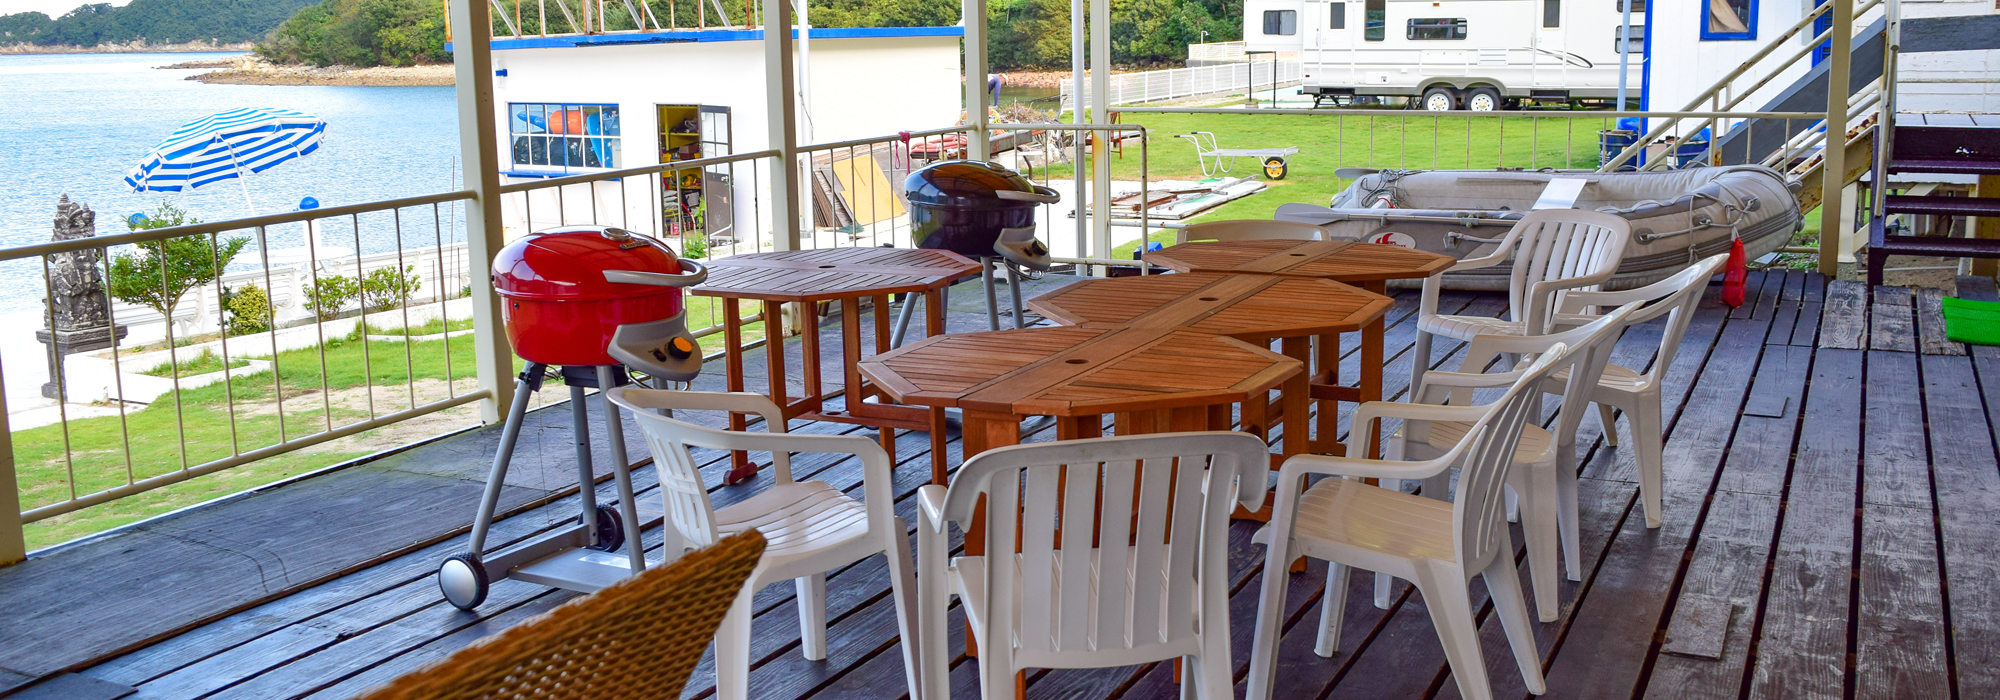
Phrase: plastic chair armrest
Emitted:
{"points": [[1305, 465]]}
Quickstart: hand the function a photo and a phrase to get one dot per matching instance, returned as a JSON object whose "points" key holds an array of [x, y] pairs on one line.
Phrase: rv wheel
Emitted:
{"points": [[1440, 99], [1482, 100], [1275, 168]]}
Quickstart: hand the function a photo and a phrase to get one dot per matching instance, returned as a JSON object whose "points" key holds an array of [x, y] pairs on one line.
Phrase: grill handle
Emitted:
{"points": [[657, 279], [1041, 195]]}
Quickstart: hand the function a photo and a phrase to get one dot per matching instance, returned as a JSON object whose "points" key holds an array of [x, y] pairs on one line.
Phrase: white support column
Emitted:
{"points": [[781, 115], [1834, 218], [1100, 113], [978, 139], [472, 55], [1076, 116], [13, 544]]}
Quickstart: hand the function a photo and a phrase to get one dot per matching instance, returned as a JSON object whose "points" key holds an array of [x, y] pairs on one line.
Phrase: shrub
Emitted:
{"points": [[163, 271], [327, 296], [247, 310], [694, 243], [387, 288]]}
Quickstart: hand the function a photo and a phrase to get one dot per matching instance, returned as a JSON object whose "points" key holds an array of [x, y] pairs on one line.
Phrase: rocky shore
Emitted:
{"points": [[134, 47], [250, 70]]}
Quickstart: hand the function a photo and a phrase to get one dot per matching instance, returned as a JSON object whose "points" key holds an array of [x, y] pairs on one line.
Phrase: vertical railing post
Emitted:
{"points": [[782, 120], [977, 140], [13, 543], [1833, 162], [478, 147], [1100, 113]]}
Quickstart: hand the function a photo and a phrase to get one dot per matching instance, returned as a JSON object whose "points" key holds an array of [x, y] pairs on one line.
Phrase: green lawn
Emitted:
{"points": [[1333, 140]]}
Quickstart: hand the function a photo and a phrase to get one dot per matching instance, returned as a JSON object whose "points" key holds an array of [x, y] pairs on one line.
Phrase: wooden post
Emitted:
{"points": [[1987, 227], [1833, 164], [781, 111], [13, 543], [478, 147]]}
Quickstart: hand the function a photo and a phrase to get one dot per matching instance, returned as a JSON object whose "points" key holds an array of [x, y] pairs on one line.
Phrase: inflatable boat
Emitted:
{"points": [[1678, 216]]}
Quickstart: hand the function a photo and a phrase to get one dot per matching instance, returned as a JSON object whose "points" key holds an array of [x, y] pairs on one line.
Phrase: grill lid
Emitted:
{"points": [[584, 263], [972, 184]]}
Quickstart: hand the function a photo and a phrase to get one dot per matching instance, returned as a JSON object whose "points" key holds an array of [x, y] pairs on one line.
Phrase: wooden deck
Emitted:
{"points": [[1830, 532]]}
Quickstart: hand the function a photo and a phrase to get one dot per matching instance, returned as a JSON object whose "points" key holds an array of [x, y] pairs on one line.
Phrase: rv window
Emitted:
{"points": [[1637, 7], [1437, 29], [1281, 22], [565, 136], [1336, 13], [1729, 20], [1374, 21], [1552, 12], [1636, 45]]}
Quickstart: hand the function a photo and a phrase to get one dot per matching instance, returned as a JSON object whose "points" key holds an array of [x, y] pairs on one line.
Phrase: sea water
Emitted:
{"points": [[76, 123]]}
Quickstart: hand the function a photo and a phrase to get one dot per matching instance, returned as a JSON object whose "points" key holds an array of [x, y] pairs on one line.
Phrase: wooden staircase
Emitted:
{"points": [[1969, 147]]}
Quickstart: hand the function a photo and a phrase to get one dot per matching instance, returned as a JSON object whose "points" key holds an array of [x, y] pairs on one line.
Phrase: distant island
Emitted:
{"points": [[1025, 34]]}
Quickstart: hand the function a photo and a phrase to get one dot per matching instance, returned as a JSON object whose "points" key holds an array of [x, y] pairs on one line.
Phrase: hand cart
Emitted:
{"points": [[1274, 160]]}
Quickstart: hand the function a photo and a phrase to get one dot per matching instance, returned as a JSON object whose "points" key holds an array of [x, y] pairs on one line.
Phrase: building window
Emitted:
{"points": [[1436, 29], [1638, 6], [1374, 20], [1281, 22], [1336, 15], [1729, 20], [1552, 13], [1636, 45], [561, 136]]}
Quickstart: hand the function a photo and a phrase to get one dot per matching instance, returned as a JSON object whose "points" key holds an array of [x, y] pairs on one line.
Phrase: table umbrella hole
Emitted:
{"points": [[1077, 362], [1210, 299]]}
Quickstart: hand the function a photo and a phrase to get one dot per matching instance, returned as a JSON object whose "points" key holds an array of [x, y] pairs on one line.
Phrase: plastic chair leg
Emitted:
{"points": [[1503, 584], [1445, 594], [1646, 449], [1270, 618], [1610, 423], [812, 615], [1566, 518], [903, 588], [1420, 360], [1537, 489], [732, 650], [1332, 610]]}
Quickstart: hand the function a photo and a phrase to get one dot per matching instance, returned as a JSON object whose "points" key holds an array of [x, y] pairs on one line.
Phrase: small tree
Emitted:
{"points": [[387, 288], [327, 296], [160, 272], [249, 309]]}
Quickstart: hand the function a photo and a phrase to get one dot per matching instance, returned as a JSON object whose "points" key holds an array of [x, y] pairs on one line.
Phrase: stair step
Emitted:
{"points": [[1944, 165], [1939, 246], [1945, 206]]}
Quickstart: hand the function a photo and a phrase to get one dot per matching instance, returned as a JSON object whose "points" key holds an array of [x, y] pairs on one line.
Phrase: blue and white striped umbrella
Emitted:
{"points": [[222, 146]]}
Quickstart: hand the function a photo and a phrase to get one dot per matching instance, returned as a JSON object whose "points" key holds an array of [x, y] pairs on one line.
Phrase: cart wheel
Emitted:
{"points": [[462, 578], [1275, 168], [610, 529]]}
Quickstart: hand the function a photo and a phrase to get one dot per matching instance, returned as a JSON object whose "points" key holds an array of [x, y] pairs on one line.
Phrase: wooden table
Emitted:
{"points": [[807, 278], [1253, 308], [1367, 265]]}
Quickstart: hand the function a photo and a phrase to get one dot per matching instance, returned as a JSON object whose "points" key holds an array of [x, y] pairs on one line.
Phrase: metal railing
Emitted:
{"points": [[325, 338], [1176, 83]]}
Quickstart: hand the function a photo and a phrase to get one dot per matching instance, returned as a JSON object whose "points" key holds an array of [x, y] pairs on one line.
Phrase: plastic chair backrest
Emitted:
{"points": [[1558, 244], [1249, 230], [1674, 297], [1476, 510], [686, 495], [1589, 346], [1150, 513]]}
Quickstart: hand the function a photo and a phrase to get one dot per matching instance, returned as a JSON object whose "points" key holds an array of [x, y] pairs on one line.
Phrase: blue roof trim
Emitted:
{"points": [[713, 35]]}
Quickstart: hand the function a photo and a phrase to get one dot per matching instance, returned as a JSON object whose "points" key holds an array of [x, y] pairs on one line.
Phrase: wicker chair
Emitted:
{"points": [[638, 639]]}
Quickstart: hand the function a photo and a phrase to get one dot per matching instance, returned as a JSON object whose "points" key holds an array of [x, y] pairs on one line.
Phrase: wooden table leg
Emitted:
{"points": [[809, 355], [1294, 395], [856, 390], [1325, 438], [774, 362], [740, 468]]}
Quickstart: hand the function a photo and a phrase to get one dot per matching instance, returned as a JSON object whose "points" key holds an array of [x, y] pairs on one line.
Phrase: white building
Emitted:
{"points": [[583, 103]]}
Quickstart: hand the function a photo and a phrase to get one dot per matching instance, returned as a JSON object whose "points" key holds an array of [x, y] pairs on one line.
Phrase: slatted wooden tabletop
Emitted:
{"points": [[1343, 261], [833, 273], [1077, 371], [1250, 307]]}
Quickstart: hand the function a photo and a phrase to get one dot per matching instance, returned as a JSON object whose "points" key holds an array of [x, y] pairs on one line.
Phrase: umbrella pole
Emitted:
{"points": [[246, 195]]}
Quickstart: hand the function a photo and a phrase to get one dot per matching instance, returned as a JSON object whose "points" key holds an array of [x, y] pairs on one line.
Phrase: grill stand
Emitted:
{"points": [[577, 557]]}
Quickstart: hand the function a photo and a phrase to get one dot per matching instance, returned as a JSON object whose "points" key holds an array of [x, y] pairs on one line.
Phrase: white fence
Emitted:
{"points": [[1150, 86], [1228, 52]]}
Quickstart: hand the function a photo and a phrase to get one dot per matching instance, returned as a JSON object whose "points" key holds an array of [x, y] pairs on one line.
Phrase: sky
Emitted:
{"points": [[52, 8]]}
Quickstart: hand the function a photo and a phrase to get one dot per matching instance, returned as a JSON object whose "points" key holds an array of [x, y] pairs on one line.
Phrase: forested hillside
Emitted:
{"points": [[151, 21]]}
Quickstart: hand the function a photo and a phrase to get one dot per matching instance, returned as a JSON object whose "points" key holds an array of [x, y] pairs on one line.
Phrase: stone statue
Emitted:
{"points": [[79, 309]]}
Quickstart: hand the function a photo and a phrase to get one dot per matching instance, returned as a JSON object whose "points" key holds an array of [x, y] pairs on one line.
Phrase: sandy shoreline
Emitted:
{"points": [[134, 47], [250, 70]]}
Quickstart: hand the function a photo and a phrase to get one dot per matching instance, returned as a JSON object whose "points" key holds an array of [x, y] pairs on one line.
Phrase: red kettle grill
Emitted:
{"points": [[594, 301]]}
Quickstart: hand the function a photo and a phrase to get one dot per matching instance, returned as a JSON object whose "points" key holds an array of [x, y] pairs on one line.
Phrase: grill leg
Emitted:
{"points": [[621, 471], [992, 305], [1014, 288], [579, 418], [903, 319], [497, 478]]}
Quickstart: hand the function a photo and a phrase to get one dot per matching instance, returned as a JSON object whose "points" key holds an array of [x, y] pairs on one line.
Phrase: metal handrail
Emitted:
{"points": [[1462, 113], [264, 221], [633, 172]]}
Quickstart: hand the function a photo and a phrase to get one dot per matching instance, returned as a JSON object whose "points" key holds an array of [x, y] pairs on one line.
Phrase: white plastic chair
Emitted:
{"points": [[1555, 251], [809, 526], [1545, 463], [1638, 393], [1123, 557], [1249, 230], [1435, 545]]}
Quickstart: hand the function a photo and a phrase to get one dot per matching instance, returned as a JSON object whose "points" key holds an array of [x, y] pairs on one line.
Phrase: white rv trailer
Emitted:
{"points": [[1452, 54]]}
